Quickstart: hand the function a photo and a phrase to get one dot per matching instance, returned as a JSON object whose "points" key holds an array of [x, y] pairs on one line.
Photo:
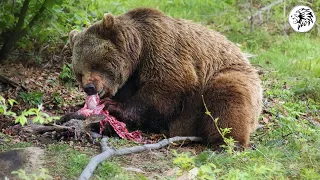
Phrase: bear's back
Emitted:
{"points": [[194, 51]]}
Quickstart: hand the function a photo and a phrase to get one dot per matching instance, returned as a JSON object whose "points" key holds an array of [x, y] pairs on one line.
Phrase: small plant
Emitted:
{"points": [[34, 98], [197, 166], [183, 160], [36, 113], [66, 75], [42, 175], [39, 116], [230, 143], [4, 107], [57, 99]]}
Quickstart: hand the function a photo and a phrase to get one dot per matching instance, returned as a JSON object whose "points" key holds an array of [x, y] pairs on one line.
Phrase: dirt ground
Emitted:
{"points": [[152, 164]]}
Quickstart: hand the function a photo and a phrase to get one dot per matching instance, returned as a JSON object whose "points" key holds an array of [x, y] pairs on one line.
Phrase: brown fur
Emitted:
{"points": [[157, 68]]}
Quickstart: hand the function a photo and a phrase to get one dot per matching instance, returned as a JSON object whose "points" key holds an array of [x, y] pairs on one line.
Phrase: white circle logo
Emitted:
{"points": [[302, 18]]}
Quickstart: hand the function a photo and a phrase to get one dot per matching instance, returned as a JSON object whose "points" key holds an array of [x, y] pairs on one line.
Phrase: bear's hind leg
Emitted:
{"points": [[235, 98]]}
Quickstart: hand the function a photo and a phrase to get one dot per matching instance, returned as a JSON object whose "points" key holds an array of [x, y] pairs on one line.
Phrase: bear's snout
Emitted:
{"points": [[90, 89]]}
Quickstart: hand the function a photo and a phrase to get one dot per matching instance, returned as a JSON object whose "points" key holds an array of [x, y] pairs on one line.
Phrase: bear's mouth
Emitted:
{"points": [[101, 93], [104, 94]]}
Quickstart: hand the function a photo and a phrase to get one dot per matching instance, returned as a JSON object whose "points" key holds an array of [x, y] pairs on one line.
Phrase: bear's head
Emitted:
{"points": [[105, 54]]}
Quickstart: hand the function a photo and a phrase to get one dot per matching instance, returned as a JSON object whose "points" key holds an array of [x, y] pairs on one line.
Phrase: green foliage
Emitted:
{"points": [[67, 76], [4, 106], [197, 166], [183, 160], [61, 16], [20, 18], [295, 58], [110, 170], [67, 161], [230, 143], [36, 113], [34, 98], [42, 175], [38, 116], [57, 99]]}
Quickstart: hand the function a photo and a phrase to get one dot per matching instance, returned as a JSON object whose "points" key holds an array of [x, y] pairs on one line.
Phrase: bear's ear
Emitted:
{"points": [[108, 20], [72, 36]]}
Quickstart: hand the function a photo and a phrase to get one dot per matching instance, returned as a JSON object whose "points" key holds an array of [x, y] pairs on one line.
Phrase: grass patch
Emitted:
{"points": [[65, 160], [68, 162], [294, 55], [296, 59], [7, 143]]}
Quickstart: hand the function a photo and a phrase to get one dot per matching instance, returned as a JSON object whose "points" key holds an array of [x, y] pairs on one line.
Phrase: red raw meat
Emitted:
{"points": [[92, 107]]}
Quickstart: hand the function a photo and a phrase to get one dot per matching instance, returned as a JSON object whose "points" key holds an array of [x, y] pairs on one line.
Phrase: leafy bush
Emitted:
{"points": [[67, 76], [57, 99], [34, 98], [36, 113]]}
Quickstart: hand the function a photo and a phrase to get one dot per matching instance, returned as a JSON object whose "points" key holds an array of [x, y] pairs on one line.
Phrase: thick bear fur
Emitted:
{"points": [[156, 68]]}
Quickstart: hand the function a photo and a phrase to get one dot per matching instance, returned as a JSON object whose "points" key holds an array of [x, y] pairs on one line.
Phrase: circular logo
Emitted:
{"points": [[302, 18]]}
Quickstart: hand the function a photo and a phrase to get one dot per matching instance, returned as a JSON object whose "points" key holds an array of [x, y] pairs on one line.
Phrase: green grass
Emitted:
{"points": [[216, 13], [294, 55], [10, 146], [296, 58], [67, 162], [196, 10]]}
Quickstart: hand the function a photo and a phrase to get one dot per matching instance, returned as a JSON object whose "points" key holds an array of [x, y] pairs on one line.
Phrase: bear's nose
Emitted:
{"points": [[90, 89]]}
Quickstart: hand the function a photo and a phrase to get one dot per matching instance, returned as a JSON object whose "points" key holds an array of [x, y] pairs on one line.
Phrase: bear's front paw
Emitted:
{"points": [[108, 101], [115, 111]]}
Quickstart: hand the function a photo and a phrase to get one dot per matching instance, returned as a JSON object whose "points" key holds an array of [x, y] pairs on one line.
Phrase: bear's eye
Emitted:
{"points": [[110, 75], [107, 73]]}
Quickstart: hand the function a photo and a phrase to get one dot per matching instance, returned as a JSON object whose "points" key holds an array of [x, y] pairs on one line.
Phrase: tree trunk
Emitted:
{"points": [[10, 38], [9, 41]]}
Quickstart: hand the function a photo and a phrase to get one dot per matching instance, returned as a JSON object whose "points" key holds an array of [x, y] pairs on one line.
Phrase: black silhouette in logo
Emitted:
{"points": [[302, 17]]}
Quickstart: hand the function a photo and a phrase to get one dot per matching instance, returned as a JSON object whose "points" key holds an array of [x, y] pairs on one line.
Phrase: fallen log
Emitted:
{"points": [[12, 83]]}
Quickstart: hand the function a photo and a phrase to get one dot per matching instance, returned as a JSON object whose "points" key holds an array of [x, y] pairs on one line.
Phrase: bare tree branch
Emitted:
{"points": [[108, 152], [266, 8]]}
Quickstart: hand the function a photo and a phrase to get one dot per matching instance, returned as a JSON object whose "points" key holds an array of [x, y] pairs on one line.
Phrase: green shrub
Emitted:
{"points": [[33, 99], [67, 76]]}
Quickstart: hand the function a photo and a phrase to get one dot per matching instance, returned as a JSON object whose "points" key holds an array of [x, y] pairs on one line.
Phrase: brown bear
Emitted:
{"points": [[156, 68]]}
